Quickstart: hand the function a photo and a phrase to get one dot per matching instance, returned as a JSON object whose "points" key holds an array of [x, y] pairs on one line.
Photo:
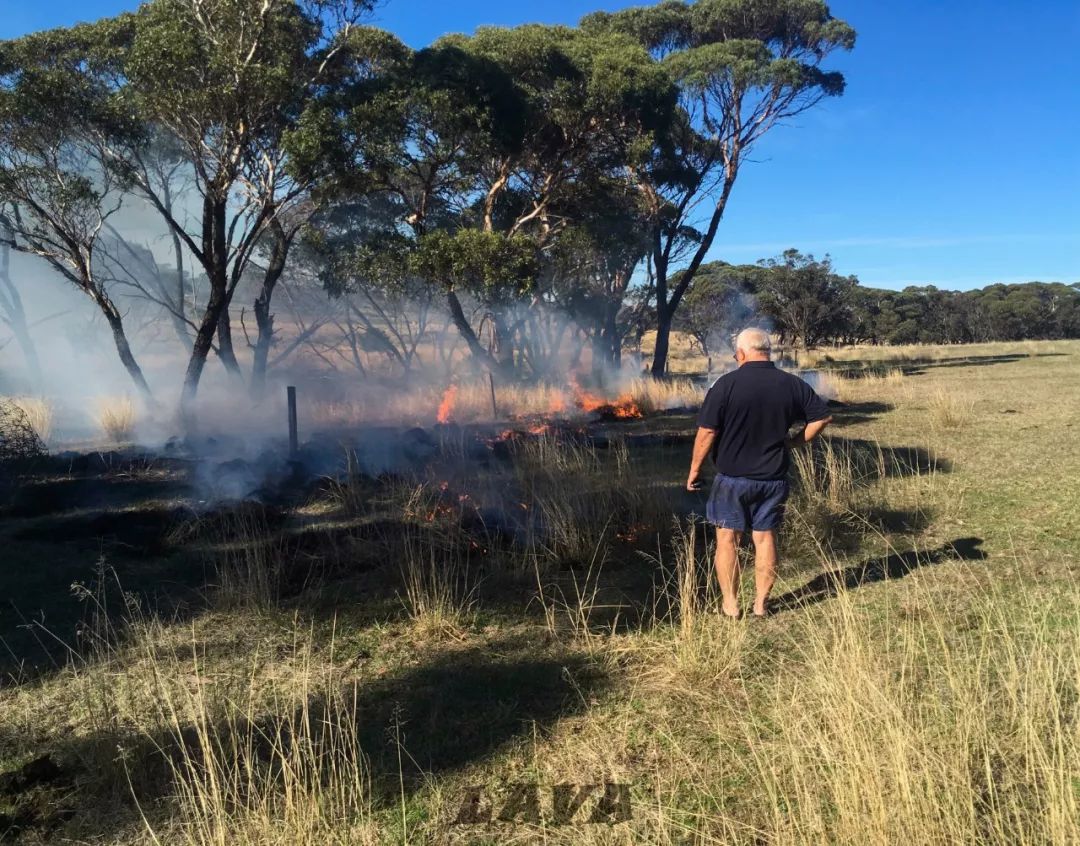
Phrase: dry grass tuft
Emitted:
{"points": [[652, 395], [117, 416], [39, 413], [247, 764], [950, 411], [581, 500], [439, 591], [892, 378], [931, 741], [301, 778]]}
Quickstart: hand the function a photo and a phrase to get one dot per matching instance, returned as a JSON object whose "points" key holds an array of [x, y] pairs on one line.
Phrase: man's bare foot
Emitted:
{"points": [[732, 611], [761, 609]]}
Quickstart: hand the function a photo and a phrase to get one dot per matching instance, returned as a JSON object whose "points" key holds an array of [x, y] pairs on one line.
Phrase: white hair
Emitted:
{"points": [[753, 339]]}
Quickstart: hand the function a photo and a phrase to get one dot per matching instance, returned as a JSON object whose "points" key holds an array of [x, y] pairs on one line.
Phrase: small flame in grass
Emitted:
{"points": [[623, 407], [534, 429], [446, 407]]}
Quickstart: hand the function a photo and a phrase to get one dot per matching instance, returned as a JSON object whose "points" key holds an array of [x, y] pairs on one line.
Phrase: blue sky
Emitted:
{"points": [[952, 159]]}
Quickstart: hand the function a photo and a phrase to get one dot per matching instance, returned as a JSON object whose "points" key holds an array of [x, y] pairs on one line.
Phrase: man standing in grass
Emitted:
{"points": [[743, 425]]}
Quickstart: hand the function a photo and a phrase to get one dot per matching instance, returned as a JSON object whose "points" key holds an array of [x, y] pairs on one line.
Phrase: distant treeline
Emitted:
{"points": [[807, 303]]}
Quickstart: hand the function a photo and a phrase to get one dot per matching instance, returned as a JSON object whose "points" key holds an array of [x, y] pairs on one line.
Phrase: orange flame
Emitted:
{"points": [[623, 407], [447, 404]]}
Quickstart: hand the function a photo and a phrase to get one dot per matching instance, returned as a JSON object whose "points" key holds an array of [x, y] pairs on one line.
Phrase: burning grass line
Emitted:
{"points": [[469, 402]]}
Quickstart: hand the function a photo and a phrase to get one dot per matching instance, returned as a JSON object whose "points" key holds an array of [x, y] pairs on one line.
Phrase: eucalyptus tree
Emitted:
{"points": [[806, 301], [227, 81], [593, 264], [483, 142], [365, 266], [742, 67], [719, 303], [56, 197], [210, 90], [590, 104]]}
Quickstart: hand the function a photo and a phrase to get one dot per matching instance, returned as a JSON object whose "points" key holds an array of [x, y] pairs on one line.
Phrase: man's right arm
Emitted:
{"points": [[709, 422], [703, 444]]}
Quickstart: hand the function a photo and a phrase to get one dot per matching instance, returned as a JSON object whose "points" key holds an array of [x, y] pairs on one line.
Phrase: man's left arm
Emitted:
{"points": [[703, 444], [815, 412], [808, 433]]}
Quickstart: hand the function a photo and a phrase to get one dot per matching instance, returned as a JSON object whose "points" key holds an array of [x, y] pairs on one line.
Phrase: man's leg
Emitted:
{"points": [[766, 562], [727, 569]]}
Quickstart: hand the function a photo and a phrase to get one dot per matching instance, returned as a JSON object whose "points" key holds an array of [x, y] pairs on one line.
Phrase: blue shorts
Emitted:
{"points": [[741, 504]]}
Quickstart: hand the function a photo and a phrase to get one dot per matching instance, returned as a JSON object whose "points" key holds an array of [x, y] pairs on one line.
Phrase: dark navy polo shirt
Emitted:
{"points": [[751, 409]]}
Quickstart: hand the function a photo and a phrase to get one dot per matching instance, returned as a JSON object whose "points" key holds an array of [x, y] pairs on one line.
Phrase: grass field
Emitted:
{"points": [[413, 658]]}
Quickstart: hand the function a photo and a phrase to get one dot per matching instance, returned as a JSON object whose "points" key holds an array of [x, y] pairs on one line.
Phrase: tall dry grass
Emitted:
{"points": [[250, 559], [652, 395], [932, 740], [298, 776], [438, 588], [830, 385], [116, 416], [838, 725], [579, 499], [950, 410], [847, 723], [891, 379], [236, 760], [834, 482], [941, 708], [39, 413]]}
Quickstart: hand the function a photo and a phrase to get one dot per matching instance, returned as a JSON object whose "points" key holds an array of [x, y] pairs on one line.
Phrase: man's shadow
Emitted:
{"points": [[893, 566]]}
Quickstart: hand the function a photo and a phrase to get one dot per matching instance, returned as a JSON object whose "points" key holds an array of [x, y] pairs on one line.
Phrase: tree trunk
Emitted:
{"points": [[504, 346], [575, 355], [663, 341], [127, 358], [264, 320], [599, 351], [612, 340], [204, 341], [457, 314], [225, 344], [214, 248], [665, 307]]}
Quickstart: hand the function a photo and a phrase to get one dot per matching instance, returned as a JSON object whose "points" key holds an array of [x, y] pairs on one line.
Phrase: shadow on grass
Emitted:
{"points": [[454, 709], [135, 532], [918, 367], [854, 368], [893, 566], [45, 497], [872, 461], [850, 413]]}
